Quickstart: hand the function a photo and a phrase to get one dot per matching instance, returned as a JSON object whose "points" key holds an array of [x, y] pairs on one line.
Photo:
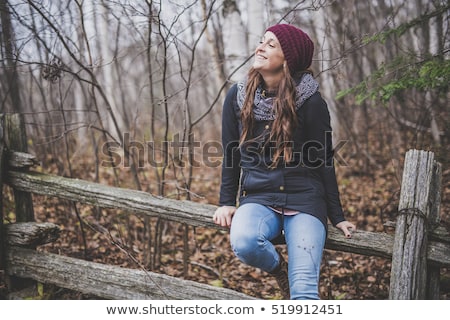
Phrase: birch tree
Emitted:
{"points": [[235, 48]]}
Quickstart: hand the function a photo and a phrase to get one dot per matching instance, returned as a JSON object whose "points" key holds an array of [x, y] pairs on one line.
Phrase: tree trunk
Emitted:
{"points": [[235, 42], [9, 62], [2, 148]]}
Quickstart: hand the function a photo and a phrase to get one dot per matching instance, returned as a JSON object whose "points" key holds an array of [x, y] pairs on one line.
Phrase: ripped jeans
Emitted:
{"points": [[254, 226]]}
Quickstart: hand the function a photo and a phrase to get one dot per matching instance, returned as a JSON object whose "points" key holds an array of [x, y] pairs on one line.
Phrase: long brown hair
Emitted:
{"points": [[285, 115]]}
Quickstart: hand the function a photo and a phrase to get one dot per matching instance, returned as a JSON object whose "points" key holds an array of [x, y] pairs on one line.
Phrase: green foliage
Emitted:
{"points": [[216, 283], [40, 289], [401, 74], [409, 71], [404, 27], [40, 294], [340, 296]]}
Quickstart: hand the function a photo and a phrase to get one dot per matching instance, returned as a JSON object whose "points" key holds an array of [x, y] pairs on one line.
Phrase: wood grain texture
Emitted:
{"points": [[409, 260], [107, 281], [31, 234], [195, 214]]}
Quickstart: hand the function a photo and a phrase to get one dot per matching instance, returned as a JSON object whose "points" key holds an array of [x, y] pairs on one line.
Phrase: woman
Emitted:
{"points": [[278, 156]]}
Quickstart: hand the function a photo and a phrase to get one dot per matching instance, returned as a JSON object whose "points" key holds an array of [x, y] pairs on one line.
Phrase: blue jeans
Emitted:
{"points": [[254, 226]]}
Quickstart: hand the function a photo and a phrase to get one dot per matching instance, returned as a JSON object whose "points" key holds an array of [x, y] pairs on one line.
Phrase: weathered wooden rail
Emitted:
{"points": [[195, 214], [419, 248]]}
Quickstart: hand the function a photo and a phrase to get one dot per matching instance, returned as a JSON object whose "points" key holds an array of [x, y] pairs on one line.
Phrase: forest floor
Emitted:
{"points": [[128, 240]]}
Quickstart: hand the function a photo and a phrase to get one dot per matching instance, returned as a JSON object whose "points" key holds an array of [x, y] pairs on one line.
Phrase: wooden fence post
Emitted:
{"points": [[409, 258], [16, 139]]}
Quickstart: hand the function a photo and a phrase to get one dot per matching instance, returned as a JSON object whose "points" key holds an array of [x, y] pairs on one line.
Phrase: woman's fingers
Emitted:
{"points": [[347, 228], [223, 216]]}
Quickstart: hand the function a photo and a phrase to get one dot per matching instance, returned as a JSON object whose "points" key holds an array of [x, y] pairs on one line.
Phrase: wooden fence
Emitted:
{"points": [[418, 249]]}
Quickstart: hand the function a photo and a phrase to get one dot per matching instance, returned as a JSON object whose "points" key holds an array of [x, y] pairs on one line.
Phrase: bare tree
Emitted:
{"points": [[11, 88]]}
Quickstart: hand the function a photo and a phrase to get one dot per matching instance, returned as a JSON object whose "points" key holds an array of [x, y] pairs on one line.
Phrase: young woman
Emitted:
{"points": [[278, 162]]}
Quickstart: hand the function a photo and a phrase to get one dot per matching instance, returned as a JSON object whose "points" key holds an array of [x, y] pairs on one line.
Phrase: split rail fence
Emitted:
{"points": [[419, 247]]}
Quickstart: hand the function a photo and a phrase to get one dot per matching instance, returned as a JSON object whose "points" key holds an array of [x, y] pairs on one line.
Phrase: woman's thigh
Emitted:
{"points": [[252, 228]]}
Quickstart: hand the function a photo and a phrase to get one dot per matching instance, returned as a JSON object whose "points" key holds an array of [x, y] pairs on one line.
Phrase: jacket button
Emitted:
{"points": [[281, 188], [267, 127]]}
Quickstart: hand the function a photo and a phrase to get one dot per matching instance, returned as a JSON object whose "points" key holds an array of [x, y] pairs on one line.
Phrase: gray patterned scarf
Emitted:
{"points": [[263, 110]]}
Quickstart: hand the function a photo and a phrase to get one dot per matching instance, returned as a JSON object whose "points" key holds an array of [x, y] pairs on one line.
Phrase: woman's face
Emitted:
{"points": [[269, 57]]}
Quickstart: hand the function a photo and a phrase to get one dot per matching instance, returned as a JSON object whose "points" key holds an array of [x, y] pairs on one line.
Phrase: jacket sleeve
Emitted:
{"points": [[231, 155], [321, 153]]}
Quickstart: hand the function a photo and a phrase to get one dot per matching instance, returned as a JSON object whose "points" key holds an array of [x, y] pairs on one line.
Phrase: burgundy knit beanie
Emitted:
{"points": [[297, 47]]}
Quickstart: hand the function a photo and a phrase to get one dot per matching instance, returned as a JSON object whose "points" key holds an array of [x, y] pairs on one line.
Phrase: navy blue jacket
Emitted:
{"points": [[307, 184]]}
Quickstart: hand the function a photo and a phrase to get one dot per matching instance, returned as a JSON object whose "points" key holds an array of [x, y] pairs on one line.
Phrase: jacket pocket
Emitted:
{"points": [[257, 180]]}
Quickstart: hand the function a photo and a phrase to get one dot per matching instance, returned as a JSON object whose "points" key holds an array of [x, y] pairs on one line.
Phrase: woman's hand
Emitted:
{"points": [[223, 216], [346, 228]]}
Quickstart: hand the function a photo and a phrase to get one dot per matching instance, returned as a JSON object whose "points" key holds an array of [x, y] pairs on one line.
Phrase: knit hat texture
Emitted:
{"points": [[297, 46]]}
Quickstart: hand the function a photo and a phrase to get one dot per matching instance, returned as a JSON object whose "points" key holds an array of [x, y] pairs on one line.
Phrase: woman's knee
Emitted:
{"points": [[251, 228], [243, 242]]}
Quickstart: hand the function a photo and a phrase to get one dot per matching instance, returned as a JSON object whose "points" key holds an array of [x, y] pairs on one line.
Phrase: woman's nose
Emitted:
{"points": [[261, 47]]}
